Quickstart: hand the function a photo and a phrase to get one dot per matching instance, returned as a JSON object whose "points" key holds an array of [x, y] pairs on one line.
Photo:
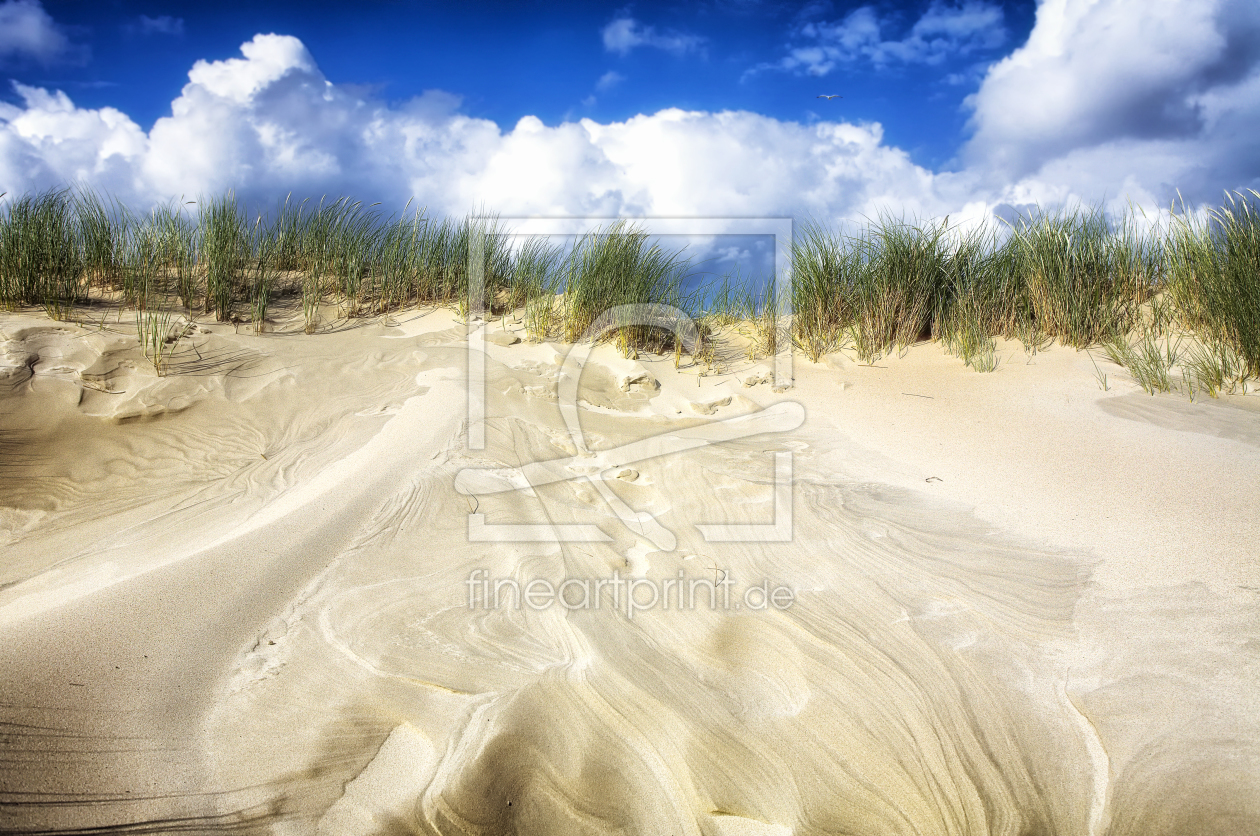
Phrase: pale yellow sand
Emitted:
{"points": [[235, 598]]}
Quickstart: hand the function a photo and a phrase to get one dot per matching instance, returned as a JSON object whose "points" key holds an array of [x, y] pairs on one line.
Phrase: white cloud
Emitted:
{"points": [[268, 58], [160, 25], [625, 33], [28, 32], [943, 32], [1163, 92], [51, 142], [269, 122]]}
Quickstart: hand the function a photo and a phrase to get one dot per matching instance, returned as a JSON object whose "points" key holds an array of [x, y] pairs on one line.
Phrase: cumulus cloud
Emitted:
{"points": [[161, 25], [269, 122], [1166, 92], [27, 32], [625, 33], [50, 142], [943, 32]]}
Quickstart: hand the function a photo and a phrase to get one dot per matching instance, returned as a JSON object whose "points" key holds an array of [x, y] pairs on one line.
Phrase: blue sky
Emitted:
{"points": [[966, 108], [552, 60]]}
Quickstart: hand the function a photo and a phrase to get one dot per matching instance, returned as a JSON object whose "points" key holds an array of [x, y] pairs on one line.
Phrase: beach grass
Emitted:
{"points": [[535, 285], [609, 269], [102, 228], [1148, 359], [159, 331], [40, 262], [222, 253], [823, 269], [1213, 270], [1185, 297]]}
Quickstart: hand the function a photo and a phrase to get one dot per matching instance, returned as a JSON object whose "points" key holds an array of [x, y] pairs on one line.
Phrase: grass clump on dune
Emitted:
{"points": [[1070, 277], [1205, 317], [57, 247], [894, 283], [40, 262], [1085, 281], [882, 287], [1187, 297], [822, 271], [102, 226], [222, 253], [534, 285], [982, 298], [617, 267], [1150, 362], [899, 295], [1214, 278]]}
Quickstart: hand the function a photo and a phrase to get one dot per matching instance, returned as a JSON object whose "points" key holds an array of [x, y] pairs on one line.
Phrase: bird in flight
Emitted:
{"points": [[836, 96]]}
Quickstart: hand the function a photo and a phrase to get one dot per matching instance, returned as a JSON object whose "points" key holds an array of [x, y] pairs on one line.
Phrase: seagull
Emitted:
{"points": [[830, 97]]}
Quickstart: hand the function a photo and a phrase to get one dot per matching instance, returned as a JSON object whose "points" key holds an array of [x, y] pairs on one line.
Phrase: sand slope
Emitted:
{"points": [[236, 598]]}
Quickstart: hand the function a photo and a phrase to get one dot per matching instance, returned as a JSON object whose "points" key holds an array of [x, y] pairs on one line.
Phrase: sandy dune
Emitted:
{"points": [[246, 597]]}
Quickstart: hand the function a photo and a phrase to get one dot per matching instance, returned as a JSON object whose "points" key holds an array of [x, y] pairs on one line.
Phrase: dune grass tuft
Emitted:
{"points": [[1149, 361], [1085, 282], [159, 331], [223, 252], [1214, 265], [1186, 297], [616, 267], [40, 261]]}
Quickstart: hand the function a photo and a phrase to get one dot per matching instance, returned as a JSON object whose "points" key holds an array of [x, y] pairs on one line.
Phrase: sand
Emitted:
{"points": [[237, 598]]}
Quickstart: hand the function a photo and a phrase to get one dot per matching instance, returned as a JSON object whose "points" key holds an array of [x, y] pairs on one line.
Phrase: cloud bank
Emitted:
{"points": [[270, 122], [1136, 96], [1113, 98]]}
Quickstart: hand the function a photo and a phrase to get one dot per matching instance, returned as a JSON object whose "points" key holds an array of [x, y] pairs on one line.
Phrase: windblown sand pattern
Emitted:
{"points": [[236, 598]]}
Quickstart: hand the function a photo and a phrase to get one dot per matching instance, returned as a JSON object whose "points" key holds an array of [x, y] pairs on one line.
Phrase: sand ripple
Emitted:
{"points": [[933, 674]]}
